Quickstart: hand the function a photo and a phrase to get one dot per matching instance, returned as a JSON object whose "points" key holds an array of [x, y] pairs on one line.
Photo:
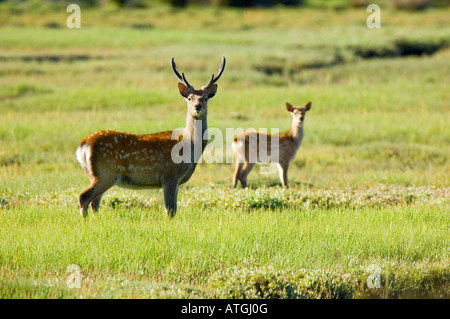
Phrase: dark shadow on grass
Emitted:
{"points": [[53, 58]]}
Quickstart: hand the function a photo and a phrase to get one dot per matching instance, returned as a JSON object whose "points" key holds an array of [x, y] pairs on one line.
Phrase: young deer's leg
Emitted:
{"points": [[245, 170], [237, 173], [170, 198], [282, 170], [96, 189]]}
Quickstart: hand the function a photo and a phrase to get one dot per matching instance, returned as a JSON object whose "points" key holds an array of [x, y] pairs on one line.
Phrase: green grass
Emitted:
{"points": [[368, 188], [191, 249]]}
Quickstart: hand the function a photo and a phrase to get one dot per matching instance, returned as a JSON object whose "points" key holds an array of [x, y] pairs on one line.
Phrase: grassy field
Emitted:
{"points": [[369, 188]]}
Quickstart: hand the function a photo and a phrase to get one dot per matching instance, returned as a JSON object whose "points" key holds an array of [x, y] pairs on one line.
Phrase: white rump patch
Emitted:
{"points": [[84, 157]]}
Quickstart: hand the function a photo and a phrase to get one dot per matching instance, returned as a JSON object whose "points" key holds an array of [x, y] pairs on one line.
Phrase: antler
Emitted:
{"points": [[215, 78], [182, 78]]}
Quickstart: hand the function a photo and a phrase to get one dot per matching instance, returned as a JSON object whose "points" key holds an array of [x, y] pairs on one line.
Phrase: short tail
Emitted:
{"points": [[83, 153]]}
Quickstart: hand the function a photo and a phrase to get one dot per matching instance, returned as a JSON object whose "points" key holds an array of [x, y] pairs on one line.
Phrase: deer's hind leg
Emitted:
{"points": [[237, 173], [95, 204], [245, 170], [92, 195]]}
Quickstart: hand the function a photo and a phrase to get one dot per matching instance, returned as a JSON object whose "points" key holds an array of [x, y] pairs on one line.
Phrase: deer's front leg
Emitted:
{"points": [[170, 198], [283, 169]]}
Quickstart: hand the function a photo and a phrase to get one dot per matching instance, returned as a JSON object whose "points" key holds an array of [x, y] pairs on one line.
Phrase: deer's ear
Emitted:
{"points": [[308, 106], [184, 91], [211, 91], [289, 107]]}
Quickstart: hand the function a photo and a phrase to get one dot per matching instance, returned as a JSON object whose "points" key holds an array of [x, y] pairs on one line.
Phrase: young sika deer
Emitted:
{"points": [[248, 144], [144, 161]]}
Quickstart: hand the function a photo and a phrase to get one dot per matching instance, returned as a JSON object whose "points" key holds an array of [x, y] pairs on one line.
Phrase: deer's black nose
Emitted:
{"points": [[198, 107]]}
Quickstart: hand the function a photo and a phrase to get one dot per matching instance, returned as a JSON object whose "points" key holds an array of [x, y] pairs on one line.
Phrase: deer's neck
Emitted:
{"points": [[193, 134], [296, 132]]}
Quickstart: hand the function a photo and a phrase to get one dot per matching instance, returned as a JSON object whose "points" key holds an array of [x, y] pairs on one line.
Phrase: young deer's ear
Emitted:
{"points": [[289, 107], [184, 90], [211, 91], [308, 106]]}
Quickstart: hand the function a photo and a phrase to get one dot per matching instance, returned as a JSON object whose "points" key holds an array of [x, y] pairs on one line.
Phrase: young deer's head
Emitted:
{"points": [[197, 100], [298, 112]]}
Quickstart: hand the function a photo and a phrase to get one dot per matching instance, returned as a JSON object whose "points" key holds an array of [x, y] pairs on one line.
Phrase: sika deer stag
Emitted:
{"points": [[145, 161], [249, 143]]}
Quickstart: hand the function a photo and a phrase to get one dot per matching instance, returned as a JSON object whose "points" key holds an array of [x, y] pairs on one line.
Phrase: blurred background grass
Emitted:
{"points": [[379, 96]]}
